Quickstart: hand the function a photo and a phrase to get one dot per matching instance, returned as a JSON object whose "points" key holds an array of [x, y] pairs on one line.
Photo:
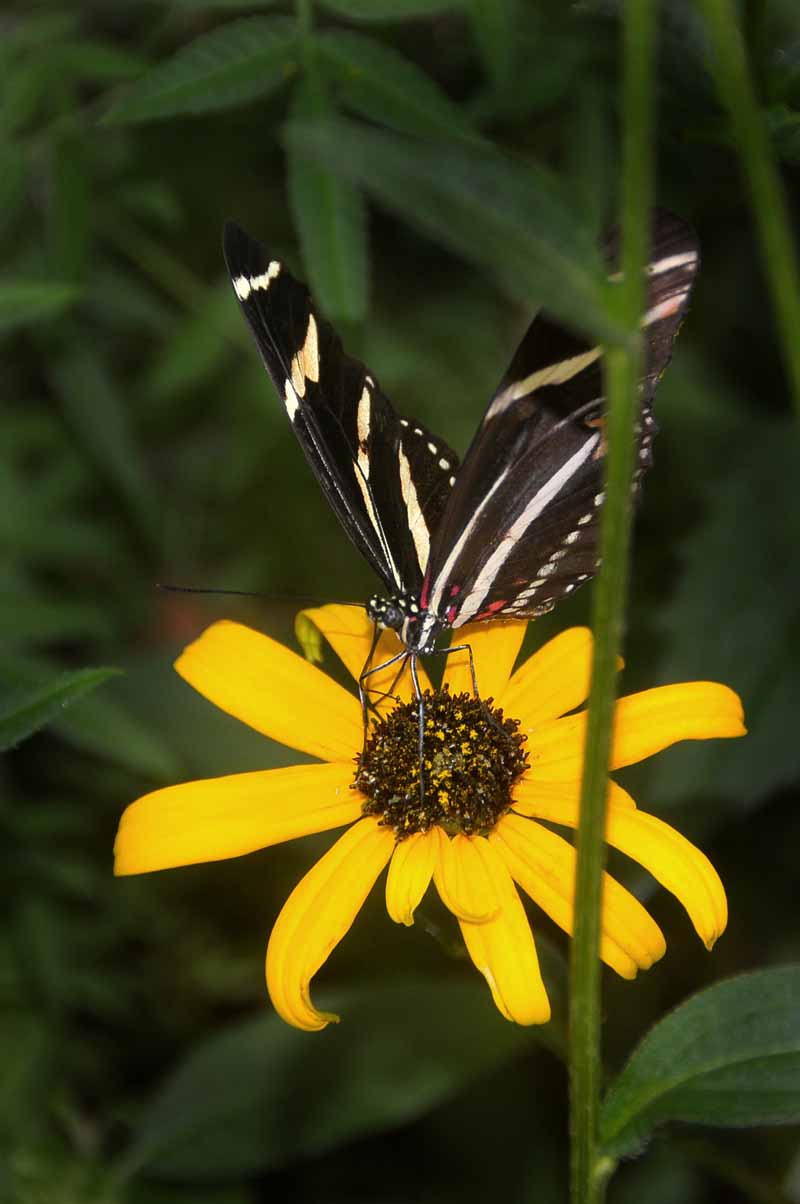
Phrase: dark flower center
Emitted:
{"points": [[471, 756]]}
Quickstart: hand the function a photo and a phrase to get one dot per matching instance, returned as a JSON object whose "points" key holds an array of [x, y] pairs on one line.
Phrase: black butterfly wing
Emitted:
{"points": [[520, 529], [387, 478]]}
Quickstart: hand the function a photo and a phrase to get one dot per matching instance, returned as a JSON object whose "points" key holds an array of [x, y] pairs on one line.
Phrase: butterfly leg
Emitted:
{"points": [[468, 649], [461, 648], [390, 692], [363, 697], [473, 675], [420, 726], [364, 691]]}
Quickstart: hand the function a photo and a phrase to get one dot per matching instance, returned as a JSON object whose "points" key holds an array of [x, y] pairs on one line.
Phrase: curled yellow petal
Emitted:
{"points": [[677, 864], [224, 817], [495, 647], [544, 866], [350, 632], [273, 690], [463, 878], [644, 724], [410, 873], [670, 858], [317, 914], [552, 681], [503, 949]]}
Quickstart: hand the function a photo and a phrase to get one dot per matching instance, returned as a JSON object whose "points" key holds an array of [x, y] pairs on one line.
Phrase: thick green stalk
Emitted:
{"points": [[772, 219], [622, 364]]}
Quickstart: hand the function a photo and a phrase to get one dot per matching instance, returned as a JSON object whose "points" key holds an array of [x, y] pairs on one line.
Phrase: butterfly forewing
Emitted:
{"points": [[520, 529], [387, 478]]}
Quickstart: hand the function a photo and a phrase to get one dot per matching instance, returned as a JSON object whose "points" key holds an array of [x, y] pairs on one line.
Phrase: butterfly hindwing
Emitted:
{"points": [[386, 478], [520, 529]]}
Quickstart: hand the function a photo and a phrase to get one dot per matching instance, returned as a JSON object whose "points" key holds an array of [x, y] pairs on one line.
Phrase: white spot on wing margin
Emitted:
{"points": [[243, 286]]}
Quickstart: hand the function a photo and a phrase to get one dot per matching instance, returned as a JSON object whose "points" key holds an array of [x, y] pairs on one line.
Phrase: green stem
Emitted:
{"points": [[314, 90], [304, 20], [772, 219], [588, 1173]]}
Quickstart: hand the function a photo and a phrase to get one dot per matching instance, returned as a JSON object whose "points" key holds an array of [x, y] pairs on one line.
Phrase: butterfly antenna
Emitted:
{"points": [[247, 593]]}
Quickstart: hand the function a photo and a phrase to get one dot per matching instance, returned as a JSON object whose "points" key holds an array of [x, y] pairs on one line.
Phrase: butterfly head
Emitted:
{"points": [[417, 628], [387, 612]]}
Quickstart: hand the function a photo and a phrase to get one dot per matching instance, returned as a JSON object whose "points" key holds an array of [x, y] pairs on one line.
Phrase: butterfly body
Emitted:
{"points": [[514, 528]]}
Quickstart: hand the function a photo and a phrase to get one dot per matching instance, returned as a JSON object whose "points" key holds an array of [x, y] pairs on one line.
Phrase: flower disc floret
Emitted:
{"points": [[471, 757]]}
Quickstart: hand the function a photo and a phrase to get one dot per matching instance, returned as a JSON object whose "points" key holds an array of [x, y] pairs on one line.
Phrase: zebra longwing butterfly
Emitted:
{"points": [[515, 528]]}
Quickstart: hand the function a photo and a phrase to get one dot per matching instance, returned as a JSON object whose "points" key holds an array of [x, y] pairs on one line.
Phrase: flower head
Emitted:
{"points": [[491, 770]]}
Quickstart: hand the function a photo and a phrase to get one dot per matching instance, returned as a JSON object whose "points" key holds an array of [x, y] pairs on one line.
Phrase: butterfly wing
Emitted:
{"points": [[520, 529], [386, 478]]}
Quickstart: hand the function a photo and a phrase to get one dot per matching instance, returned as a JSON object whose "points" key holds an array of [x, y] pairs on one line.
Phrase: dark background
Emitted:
{"points": [[140, 442]]}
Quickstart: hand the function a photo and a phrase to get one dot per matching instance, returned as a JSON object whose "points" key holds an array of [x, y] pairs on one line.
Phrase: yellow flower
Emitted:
{"points": [[476, 859]]}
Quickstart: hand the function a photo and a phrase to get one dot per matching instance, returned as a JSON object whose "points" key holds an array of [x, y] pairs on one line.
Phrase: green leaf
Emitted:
{"points": [[26, 1049], [514, 41], [382, 85], [211, 5], [102, 62], [121, 299], [33, 618], [389, 10], [512, 219], [100, 418], [224, 1112], [329, 213], [26, 710], [156, 202], [783, 125], [25, 301], [197, 343], [108, 728], [730, 1055], [736, 565], [27, 85], [13, 182], [229, 66], [496, 26], [39, 29], [592, 164], [70, 207]]}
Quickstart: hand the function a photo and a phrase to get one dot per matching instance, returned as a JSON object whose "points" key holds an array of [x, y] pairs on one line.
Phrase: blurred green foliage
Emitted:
{"points": [[435, 170]]}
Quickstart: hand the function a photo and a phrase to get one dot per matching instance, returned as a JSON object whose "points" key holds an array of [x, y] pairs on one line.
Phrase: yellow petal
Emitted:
{"points": [[502, 948], [410, 873], [495, 646], [644, 724], [350, 632], [670, 858], [559, 801], [552, 681], [273, 690], [317, 914], [226, 817], [463, 878], [676, 864], [544, 866]]}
